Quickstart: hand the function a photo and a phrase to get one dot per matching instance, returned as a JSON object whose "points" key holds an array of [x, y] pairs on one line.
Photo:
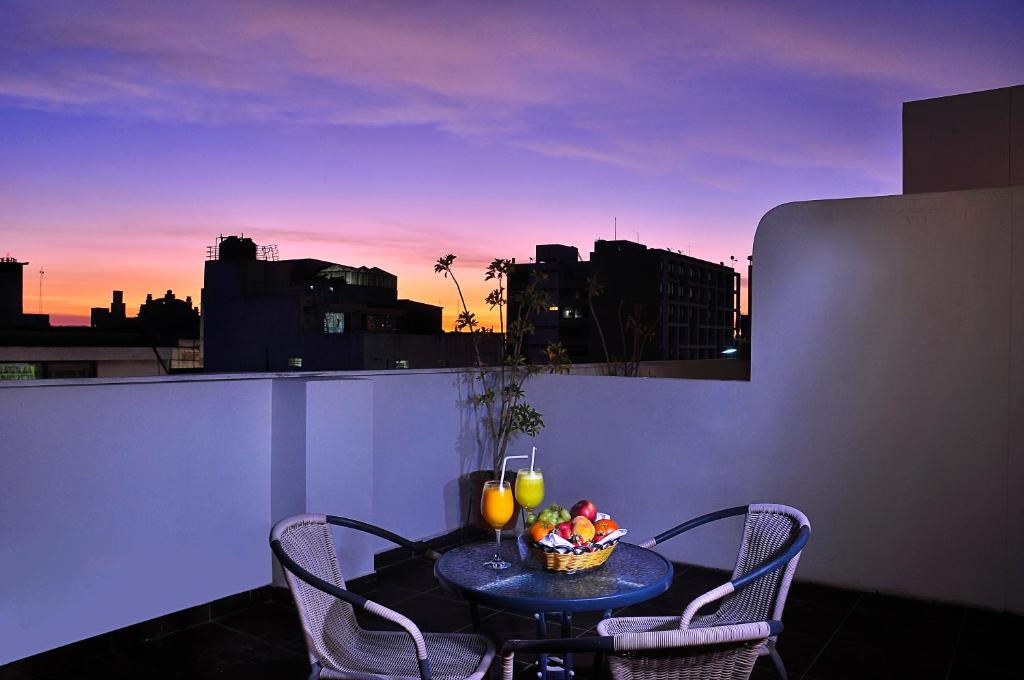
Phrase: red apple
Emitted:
{"points": [[584, 509], [564, 530]]}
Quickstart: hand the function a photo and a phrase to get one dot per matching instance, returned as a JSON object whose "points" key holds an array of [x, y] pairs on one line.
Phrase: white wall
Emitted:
{"points": [[123, 502]]}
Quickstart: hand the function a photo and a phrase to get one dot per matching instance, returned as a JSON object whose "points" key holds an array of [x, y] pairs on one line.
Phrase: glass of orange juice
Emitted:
{"points": [[497, 507], [529, 489]]}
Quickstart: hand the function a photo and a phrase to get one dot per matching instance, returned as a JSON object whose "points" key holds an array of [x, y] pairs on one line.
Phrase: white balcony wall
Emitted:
{"points": [[123, 502], [886, 400]]}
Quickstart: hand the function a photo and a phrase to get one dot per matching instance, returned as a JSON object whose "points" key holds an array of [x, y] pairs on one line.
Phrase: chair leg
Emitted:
{"points": [[474, 616], [599, 659], [314, 672], [780, 667]]}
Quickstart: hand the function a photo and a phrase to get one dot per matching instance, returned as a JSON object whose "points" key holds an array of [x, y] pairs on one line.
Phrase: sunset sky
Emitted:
{"points": [[387, 134]]}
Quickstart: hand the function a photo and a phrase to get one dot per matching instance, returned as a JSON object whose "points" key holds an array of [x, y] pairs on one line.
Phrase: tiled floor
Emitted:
{"points": [[830, 634]]}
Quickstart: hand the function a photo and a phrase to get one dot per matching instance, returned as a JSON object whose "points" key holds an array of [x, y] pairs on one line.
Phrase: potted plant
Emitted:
{"points": [[496, 390]]}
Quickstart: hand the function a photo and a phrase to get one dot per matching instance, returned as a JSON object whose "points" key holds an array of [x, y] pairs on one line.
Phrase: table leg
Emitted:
{"points": [[474, 615], [542, 632], [567, 633]]}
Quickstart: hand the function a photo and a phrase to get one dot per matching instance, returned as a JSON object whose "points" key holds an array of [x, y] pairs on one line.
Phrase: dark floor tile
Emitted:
{"points": [[586, 620], [908, 608], [186, 618], [502, 626], [362, 584], [704, 576], [819, 594], [845, 659], [269, 622], [655, 607], [263, 594], [390, 595], [63, 658], [108, 667], [230, 604], [680, 594], [200, 649], [276, 665], [813, 618], [901, 634], [992, 649], [417, 574], [435, 614], [986, 619], [137, 634], [389, 558], [799, 651], [971, 673]]}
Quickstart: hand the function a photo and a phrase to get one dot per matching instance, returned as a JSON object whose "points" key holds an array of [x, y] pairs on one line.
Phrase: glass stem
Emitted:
{"points": [[497, 545]]}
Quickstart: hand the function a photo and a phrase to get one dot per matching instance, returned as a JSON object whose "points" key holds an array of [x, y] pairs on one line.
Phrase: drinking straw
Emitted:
{"points": [[504, 463], [533, 455]]}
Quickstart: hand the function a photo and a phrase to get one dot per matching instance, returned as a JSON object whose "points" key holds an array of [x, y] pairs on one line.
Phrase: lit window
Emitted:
{"points": [[334, 322], [553, 308], [295, 362], [566, 312], [401, 363]]}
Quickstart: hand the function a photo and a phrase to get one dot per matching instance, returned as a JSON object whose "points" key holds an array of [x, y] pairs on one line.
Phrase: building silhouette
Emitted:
{"points": [[652, 304], [265, 314], [168, 318], [12, 294], [163, 338]]}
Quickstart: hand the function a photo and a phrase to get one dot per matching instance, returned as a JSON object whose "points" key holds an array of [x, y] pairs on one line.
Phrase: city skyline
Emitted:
{"points": [[386, 135]]}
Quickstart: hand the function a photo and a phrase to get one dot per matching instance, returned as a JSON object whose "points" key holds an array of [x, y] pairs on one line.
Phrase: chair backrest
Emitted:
{"points": [[307, 540], [767, 531]]}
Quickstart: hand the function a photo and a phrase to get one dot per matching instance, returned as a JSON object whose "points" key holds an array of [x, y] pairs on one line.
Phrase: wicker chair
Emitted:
{"points": [[658, 649], [338, 647], [773, 537]]}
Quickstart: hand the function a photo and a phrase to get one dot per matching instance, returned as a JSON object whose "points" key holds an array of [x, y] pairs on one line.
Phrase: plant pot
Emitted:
{"points": [[473, 490]]}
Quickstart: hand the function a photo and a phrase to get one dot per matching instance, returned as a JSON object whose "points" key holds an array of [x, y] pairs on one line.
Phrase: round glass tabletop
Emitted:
{"points": [[632, 574]]}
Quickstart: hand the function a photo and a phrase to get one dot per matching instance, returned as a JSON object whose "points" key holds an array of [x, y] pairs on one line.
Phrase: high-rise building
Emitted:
{"points": [[12, 292], [652, 304], [265, 314]]}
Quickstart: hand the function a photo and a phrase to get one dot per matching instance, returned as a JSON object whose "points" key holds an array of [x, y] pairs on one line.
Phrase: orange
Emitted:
{"points": [[540, 529], [603, 527]]}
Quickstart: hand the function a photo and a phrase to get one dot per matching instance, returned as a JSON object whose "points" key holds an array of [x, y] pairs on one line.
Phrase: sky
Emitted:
{"points": [[389, 134]]}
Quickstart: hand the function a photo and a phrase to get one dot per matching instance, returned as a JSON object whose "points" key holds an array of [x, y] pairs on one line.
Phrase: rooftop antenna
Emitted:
{"points": [[616, 236], [637, 232], [41, 272]]}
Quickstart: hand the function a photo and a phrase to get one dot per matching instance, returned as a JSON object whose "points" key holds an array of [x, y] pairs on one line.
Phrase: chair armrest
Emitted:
{"points": [[696, 637], [358, 602], [693, 523], [418, 547], [632, 642], [792, 550]]}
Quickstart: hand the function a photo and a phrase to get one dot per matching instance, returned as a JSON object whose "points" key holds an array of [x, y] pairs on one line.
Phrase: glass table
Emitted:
{"points": [[631, 575]]}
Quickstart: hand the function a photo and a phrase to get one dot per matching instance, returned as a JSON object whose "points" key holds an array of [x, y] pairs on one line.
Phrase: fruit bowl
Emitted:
{"points": [[571, 562]]}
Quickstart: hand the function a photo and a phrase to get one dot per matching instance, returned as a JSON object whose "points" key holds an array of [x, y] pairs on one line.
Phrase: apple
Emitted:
{"points": [[584, 509], [564, 530]]}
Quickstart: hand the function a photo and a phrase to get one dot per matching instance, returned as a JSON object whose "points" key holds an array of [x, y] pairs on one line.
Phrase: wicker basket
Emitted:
{"points": [[570, 562]]}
